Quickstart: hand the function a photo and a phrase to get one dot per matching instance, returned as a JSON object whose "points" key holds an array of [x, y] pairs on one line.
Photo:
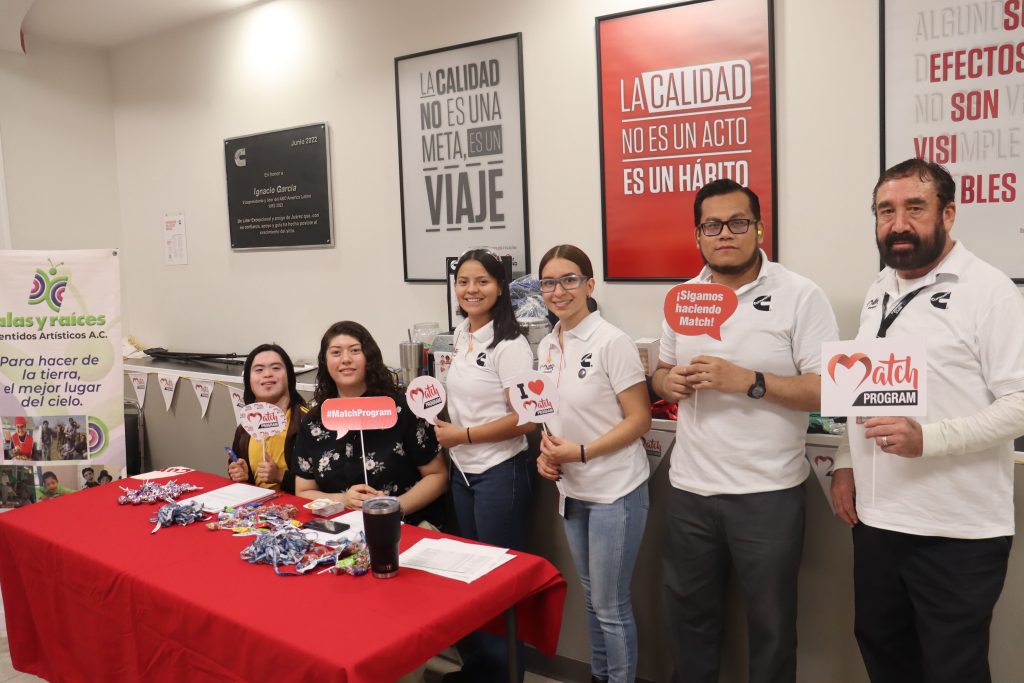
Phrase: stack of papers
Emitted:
{"points": [[232, 495], [454, 559]]}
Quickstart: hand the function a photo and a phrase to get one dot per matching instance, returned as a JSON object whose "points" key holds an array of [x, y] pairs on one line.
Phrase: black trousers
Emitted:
{"points": [[762, 535], [924, 604]]}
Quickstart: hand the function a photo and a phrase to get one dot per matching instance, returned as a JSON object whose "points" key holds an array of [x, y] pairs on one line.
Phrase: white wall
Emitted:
{"points": [[57, 127], [291, 62]]}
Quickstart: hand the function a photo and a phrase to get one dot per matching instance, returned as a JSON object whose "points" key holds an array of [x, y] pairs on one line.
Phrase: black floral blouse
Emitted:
{"points": [[392, 458]]}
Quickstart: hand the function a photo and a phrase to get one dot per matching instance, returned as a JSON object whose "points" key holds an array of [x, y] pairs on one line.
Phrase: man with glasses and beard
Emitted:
{"points": [[738, 465], [931, 543]]}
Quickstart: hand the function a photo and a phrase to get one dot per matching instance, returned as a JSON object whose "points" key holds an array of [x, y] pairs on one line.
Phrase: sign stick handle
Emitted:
{"points": [[362, 450], [263, 445], [695, 395], [874, 462], [459, 467]]}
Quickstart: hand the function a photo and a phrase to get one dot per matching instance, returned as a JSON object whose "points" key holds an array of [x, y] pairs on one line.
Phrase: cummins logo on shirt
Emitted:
{"points": [[584, 364], [940, 300], [481, 358], [763, 303]]}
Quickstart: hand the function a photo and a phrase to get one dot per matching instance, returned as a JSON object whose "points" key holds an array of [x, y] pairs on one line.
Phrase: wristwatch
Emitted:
{"points": [[757, 389]]}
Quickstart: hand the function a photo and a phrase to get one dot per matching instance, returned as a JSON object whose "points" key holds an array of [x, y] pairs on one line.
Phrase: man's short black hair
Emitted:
{"points": [[48, 475], [88, 469], [720, 187], [927, 171]]}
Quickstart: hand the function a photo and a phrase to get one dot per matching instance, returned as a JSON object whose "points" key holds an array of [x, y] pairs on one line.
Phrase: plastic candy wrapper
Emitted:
{"points": [[182, 514], [151, 492], [246, 520], [289, 545], [663, 410], [353, 558], [283, 546], [526, 298]]}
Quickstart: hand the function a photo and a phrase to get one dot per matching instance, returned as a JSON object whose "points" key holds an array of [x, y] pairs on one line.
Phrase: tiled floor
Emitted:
{"points": [[9, 675], [7, 672]]}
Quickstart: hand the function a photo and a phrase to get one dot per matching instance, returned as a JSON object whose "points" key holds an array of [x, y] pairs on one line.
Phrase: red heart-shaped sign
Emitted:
{"points": [[529, 404], [418, 393], [827, 459], [536, 386], [848, 362]]}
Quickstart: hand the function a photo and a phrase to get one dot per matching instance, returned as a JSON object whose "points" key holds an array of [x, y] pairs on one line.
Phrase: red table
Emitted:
{"points": [[90, 595]]}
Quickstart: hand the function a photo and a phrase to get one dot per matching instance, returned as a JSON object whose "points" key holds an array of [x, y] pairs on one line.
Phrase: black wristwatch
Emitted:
{"points": [[757, 389]]}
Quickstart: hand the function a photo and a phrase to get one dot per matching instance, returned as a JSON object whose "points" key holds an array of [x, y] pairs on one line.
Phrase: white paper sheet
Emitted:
{"points": [[453, 559]]}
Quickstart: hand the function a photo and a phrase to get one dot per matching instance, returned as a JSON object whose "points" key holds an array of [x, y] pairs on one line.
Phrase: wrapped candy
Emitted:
{"points": [[248, 520], [286, 545], [182, 514], [151, 492]]}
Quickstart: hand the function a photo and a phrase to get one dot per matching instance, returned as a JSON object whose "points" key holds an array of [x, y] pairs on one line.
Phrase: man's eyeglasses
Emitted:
{"points": [[568, 282], [737, 226]]}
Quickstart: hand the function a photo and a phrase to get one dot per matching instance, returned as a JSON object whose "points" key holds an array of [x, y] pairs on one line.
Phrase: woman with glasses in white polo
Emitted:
{"points": [[596, 455], [492, 501]]}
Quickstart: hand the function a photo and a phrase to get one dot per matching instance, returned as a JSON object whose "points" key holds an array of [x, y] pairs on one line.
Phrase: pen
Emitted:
{"points": [[234, 458], [261, 502]]}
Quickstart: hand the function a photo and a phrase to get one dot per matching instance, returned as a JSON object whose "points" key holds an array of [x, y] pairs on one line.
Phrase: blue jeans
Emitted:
{"points": [[604, 540], [493, 510]]}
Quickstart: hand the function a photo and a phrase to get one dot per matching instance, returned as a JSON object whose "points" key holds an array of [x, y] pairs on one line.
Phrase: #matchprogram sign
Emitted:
{"points": [[874, 377], [61, 376]]}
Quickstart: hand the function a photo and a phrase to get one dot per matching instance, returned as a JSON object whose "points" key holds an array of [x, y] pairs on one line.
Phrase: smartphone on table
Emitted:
{"points": [[327, 526]]}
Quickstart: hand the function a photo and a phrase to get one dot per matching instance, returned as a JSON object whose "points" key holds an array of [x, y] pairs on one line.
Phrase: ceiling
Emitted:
{"points": [[101, 23]]}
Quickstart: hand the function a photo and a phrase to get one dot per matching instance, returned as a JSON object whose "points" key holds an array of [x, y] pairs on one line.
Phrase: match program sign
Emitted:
{"points": [[343, 415], [426, 397], [262, 420], [533, 398], [695, 309], [874, 377]]}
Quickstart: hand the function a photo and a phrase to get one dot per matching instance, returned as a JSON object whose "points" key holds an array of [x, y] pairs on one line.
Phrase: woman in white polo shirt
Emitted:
{"points": [[596, 455], [484, 437]]}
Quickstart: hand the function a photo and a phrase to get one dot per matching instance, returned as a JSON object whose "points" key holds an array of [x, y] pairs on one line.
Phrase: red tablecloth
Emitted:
{"points": [[90, 595]]}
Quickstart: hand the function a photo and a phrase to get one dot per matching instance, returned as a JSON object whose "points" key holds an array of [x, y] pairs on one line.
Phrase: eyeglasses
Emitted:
{"points": [[568, 282], [737, 226]]}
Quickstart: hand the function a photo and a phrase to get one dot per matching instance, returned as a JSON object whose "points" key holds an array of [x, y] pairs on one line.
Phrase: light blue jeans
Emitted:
{"points": [[604, 539]]}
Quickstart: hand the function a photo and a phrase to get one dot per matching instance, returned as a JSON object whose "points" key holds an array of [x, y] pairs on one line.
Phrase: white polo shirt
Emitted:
{"points": [[476, 384], [971, 316], [737, 444], [598, 363]]}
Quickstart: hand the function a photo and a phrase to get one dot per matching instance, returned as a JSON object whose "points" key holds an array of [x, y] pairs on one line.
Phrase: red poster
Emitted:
{"points": [[686, 98]]}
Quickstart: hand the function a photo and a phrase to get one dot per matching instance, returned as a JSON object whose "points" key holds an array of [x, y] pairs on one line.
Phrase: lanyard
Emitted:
{"points": [[561, 361], [889, 318]]}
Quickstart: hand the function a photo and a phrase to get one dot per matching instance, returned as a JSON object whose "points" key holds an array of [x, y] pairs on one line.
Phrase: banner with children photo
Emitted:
{"points": [[61, 385]]}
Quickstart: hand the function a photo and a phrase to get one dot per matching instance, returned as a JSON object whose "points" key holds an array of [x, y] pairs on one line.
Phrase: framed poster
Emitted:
{"points": [[685, 96], [462, 154], [279, 189], [953, 94]]}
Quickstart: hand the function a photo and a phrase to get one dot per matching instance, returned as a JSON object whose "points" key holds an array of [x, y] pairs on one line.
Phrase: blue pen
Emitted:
{"points": [[234, 458]]}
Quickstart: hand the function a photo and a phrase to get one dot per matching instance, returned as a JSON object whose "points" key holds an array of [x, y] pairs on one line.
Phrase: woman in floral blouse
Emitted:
{"points": [[404, 460]]}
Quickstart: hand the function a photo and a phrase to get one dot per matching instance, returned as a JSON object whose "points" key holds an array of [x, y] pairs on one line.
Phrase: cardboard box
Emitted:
{"points": [[649, 349]]}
